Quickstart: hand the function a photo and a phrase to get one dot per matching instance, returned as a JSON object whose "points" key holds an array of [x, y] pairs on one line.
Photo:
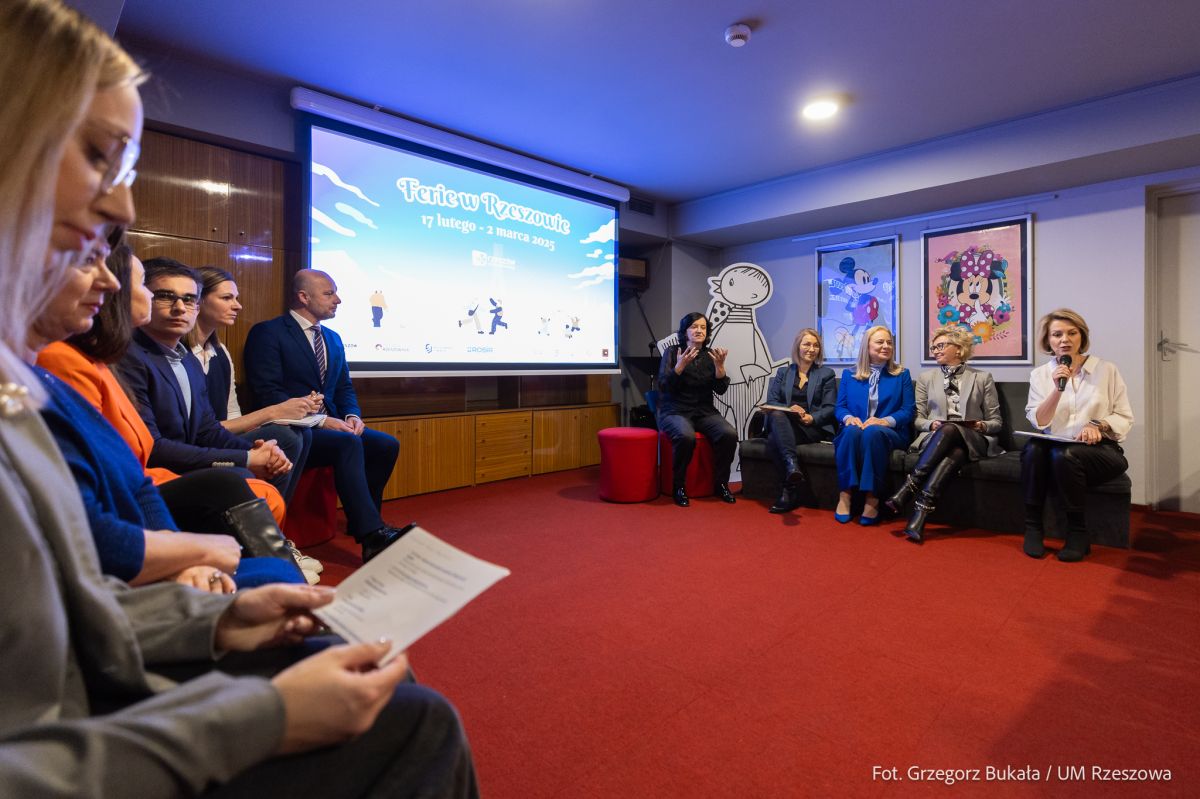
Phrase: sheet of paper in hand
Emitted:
{"points": [[408, 589]]}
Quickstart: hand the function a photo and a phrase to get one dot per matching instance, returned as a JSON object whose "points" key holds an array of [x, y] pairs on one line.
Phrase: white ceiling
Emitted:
{"points": [[647, 94]]}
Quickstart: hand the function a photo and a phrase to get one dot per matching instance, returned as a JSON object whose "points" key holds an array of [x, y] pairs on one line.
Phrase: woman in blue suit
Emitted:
{"points": [[809, 391], [875, 407]]}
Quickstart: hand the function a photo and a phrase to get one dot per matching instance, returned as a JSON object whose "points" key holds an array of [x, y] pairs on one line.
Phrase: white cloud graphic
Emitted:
{"points": [[598, 274], [321, 169], [608, 257], [354, 213], [314, 240], [596, 253], [604, 233], [320, 216]]}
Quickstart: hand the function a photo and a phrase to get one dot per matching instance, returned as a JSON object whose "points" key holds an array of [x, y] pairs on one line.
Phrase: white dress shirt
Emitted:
{"points": [[1096, 393]]}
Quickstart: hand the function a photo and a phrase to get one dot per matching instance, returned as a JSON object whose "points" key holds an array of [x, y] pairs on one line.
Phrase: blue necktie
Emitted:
{"points": [[319, 350]]}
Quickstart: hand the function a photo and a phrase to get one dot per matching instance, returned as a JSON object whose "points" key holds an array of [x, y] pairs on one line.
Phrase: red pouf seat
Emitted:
{"points": [[628, 464], [312, 513], [699, 480]]}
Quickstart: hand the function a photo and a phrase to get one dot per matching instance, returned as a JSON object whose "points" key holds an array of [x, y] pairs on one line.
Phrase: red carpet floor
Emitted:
{"points": [[719, 651]]}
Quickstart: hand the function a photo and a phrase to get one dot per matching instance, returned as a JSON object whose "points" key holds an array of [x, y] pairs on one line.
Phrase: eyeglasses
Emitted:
{"points": [[121, 157], [941, 346], [169, 298]]}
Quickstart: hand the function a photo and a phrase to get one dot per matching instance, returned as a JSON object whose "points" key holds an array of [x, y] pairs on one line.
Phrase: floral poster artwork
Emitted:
{"points": [[979, 278]]}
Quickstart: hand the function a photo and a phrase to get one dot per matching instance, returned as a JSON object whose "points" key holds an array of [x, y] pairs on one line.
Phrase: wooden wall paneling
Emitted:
{"points": [[400, 484], [256, 202], [400, 396], [503, 447], [183, 188], [540, 390], [555, 440], [193, 252], [599, 388], [592, 421], [261, 274]]}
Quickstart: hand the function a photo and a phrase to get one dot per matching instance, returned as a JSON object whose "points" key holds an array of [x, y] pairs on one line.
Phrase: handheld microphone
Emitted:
{"points": [[1061, 382]]}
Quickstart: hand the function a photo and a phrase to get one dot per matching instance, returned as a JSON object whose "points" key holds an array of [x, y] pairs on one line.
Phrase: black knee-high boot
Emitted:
{"points": [[1078, 541], [1034, 532], [255, 529], [944, 441], [932, 489]]}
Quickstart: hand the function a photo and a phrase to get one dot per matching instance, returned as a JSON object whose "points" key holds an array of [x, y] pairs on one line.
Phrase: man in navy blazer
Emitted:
{"points": [[169, 389], [293, 355]]}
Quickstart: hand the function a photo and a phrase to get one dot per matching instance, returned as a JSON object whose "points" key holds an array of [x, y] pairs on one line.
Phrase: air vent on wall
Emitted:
{"points": [[641, 205]]}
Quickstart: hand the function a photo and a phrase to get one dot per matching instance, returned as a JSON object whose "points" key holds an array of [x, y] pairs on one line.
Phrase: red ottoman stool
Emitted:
{"points": [[628, 464], [699, 480], [312, 513]]}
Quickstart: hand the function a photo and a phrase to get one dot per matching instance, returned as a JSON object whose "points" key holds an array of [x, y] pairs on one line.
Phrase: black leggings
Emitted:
{"points": [[1072, 467]]}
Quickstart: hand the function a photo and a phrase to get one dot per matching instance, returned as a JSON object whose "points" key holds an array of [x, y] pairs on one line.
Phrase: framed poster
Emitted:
{"points": [[856, 289], [981, 277]]}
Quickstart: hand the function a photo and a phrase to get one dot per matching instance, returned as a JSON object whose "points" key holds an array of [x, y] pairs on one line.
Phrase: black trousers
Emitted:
{"points": [[785, 433], [681, 429], [1071, 467], [361, 468], [415, 748], [198, 500]]}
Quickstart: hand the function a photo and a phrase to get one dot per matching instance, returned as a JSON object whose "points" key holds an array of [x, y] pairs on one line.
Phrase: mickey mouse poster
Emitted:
{"points": [[856, 289], [979, 277]]}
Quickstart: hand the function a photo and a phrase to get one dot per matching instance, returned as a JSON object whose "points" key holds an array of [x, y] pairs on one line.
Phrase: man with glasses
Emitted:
{"points": [[168, 386]]}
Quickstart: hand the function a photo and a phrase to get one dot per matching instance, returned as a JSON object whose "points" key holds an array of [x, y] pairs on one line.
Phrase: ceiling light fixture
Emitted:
{"points": [[737, 35], [821, 109]]}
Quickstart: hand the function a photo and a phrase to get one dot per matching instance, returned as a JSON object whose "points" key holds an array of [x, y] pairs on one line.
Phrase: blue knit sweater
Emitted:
{"points": [[121, 502]]}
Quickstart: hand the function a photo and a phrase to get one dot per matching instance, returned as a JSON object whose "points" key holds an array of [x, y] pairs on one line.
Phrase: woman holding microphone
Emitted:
{"points": [[1078, 397]]}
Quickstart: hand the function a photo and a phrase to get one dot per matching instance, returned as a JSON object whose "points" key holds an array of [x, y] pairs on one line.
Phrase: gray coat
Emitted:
{"points": [[978, 399], [75, 645]]}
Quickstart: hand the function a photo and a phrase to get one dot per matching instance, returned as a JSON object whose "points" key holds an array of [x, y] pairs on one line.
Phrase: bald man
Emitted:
{"points": [[293, 355]]}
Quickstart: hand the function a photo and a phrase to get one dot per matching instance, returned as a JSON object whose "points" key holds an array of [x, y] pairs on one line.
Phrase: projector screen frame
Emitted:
{"points": [[307, 120]]}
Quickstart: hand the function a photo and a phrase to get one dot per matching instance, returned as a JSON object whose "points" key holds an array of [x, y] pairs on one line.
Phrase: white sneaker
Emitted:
{"points": [[305, 562]]}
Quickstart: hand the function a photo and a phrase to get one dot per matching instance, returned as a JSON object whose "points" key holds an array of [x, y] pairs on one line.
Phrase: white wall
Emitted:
{"points": [[1089, 253]]}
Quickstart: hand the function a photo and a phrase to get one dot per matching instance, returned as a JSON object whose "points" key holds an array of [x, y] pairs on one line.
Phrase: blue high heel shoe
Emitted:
{"points": [[868, 521], [841, 518]]}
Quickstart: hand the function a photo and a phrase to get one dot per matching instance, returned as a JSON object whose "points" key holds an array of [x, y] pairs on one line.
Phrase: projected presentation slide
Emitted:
{"points": [[438, 265]]}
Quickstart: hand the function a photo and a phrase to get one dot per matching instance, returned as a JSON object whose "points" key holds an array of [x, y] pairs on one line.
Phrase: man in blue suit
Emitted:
{"points": [[292, 355], [169, 389]]}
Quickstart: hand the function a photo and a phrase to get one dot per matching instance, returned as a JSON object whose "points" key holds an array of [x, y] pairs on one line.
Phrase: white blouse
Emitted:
{"points": [[205, 353], [1097, 392]]}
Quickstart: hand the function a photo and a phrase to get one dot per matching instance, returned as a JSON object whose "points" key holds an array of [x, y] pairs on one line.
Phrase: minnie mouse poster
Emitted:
{"points": [[972, 291]]}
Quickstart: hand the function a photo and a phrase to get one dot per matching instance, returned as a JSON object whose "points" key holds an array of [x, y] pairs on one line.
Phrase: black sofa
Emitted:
{"points": [[986, 494]]}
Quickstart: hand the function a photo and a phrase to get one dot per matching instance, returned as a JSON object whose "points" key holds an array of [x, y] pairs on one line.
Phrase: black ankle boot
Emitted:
{"points": [[786, 502], [1034, 533], [723, 494], [255, 529], [915, 529], [681, 498], [1078, 541], [897, 501]]}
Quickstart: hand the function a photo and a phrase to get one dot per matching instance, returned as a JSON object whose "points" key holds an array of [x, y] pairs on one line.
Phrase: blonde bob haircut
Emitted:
{"points": [[862, 369], [52, 62], [958, 336], [1071, 318], [808, 331]]}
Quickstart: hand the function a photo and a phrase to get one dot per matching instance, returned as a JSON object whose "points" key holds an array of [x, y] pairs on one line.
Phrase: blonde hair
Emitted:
{"points": [[1071, 318], [52, 62], [808, 331], [959, 337], [862, 369]]}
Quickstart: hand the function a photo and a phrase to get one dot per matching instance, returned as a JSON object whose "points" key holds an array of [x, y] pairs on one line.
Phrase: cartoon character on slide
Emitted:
{"points": [[497, 316], [736, 292], [378, 306], [571, 326], [473, 316], [543, 325], [861, 306]]}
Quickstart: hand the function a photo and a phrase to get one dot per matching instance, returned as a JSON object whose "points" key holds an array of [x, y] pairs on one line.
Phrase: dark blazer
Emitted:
{"points": [[978, 399], [183, 442], [691, 393], [896, 399], [281, 364], [819, 398]]}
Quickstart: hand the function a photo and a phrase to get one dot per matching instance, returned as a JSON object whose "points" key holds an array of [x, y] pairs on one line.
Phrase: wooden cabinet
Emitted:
{"points": [[555, 440], [591, 421], [502, 446], [435, 454], [183, 188]]}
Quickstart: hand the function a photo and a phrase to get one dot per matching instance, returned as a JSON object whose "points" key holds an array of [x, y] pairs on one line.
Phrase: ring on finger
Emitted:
{"points": [[214, 578]]}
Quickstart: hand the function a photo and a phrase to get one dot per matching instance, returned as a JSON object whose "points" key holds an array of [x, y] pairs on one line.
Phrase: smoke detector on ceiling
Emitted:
{"points": [[737, 35]]}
